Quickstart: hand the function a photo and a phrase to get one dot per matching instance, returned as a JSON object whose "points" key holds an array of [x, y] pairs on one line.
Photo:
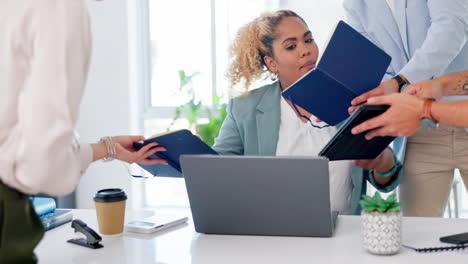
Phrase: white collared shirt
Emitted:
{"points": [[44, 57], [297, 138]]}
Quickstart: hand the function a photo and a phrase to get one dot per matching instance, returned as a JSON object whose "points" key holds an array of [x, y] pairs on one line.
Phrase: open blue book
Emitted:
{"points": [[47, 211], [177, 143], [350, 66]]}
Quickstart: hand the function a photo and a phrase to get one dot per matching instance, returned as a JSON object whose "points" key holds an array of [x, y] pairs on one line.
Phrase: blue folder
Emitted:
{"points": [[350, 66], [177, 143], [43, 205], [50, 216]]}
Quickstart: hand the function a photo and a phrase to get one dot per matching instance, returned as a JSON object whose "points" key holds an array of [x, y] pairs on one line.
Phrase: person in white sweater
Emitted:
{"points": [[44, 57]]}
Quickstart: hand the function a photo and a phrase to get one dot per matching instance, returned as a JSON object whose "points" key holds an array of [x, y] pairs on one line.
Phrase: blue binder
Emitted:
{"points": [[350, 66], [177, 143], [43, 205], [50, 216]]}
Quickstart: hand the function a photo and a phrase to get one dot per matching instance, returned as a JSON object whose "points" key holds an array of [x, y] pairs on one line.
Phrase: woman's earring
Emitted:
{"points": [[273, 76]]}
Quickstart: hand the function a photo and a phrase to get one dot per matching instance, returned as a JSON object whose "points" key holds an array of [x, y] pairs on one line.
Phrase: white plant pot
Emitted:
{"points": [[381, 232]]}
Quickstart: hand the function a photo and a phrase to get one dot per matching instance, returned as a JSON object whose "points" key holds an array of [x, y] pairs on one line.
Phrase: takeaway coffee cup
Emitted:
{"points": [[110, 210]]}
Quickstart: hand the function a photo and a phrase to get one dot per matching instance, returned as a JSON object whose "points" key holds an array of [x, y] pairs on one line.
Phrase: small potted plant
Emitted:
{"points": [[381, 224]]}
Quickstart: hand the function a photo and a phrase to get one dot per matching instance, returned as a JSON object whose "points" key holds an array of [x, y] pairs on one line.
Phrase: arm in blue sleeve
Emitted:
{"points": [[446, 36], [353, 20]]}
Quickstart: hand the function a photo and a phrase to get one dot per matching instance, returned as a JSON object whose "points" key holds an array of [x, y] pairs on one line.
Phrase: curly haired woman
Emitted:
{"points": [[261, 122]]}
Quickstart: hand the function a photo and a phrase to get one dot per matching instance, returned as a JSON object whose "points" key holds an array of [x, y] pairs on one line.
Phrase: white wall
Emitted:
{"points": [[320, 15], [106, 108]]}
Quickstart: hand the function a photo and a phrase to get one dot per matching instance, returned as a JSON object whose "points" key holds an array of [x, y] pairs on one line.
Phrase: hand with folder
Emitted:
{"points": [[416, 103], [125, 151], [386, 87], [391, 122]]}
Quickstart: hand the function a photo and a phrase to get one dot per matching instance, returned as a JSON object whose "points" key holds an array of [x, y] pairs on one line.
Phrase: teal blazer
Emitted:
{"points": [[252, 126]]}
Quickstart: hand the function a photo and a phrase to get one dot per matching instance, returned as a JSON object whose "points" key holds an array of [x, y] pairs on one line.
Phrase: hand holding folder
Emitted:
{"points": [[177, 143]]}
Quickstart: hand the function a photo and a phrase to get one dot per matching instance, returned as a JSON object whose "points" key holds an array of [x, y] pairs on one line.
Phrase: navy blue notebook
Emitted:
{"points": [[177, 143], [350, 66]]}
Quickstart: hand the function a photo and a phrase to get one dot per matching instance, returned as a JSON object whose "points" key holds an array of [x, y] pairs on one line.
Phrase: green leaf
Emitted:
{"points": [[391, 198], [216, 100], [381, 202], [363, 204], [185, 80], [394, 209], [381, 209], [182, 74], [377, 196], [387, 203], [395, 205], [370, 208]]}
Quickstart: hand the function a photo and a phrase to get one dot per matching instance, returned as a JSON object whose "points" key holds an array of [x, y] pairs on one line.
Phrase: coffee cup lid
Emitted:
{"points": [[110, 195]]}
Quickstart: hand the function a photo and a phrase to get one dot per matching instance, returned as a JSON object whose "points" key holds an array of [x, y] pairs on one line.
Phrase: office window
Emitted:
{"points": [[192, 36]]}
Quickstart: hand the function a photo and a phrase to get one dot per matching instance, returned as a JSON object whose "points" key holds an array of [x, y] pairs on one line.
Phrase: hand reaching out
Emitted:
{"points": [[126, 152]]}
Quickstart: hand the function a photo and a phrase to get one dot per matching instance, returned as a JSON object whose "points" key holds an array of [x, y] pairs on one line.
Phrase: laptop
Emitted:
{"points": [[254, 195]]}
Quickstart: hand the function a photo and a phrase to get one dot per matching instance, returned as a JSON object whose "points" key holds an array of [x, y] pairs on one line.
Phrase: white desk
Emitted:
{"points": [[183, 245]]}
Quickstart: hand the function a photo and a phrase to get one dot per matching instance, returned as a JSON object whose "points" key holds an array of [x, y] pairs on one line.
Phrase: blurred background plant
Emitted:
{"points": [[206, 121]]}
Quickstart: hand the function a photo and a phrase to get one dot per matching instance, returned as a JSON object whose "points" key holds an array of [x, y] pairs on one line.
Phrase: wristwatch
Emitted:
{"points": [[401, 82], [427, 120]]}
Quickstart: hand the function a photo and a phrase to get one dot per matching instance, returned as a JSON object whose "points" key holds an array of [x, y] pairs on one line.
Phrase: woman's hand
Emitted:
{"points": [[126, 152], [383, 164]]}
